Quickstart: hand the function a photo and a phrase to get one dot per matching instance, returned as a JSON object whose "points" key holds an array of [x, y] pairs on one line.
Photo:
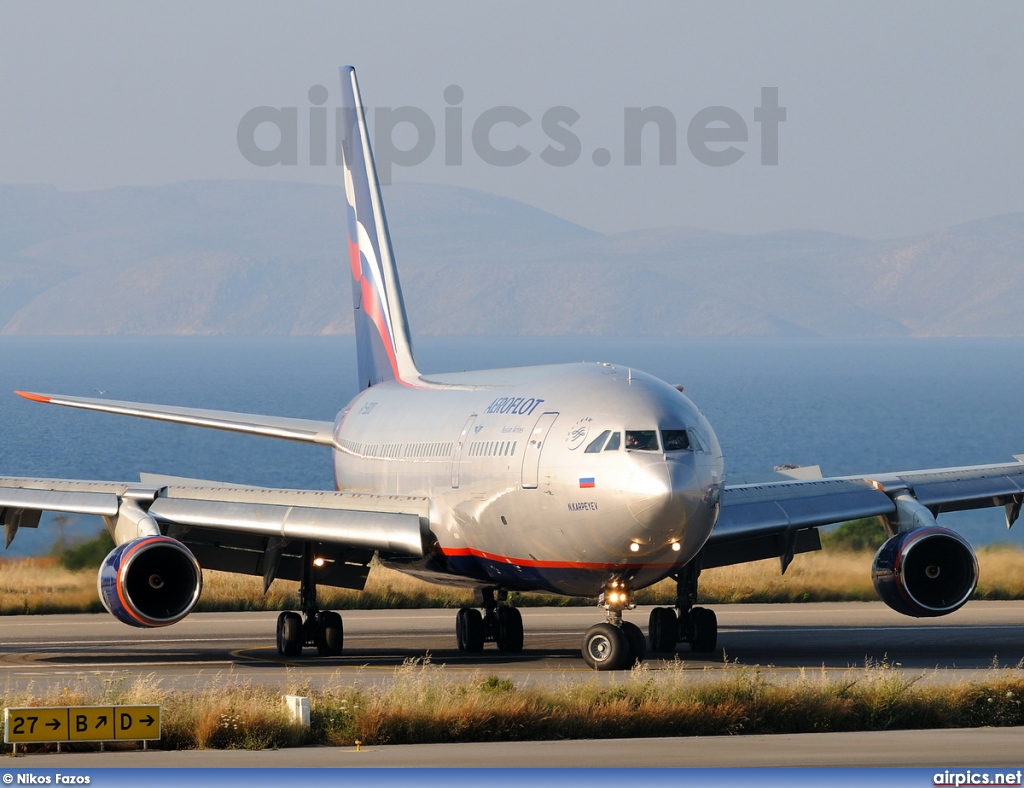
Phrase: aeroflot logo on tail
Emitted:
{"points": [[269, 136], [519, 406]]}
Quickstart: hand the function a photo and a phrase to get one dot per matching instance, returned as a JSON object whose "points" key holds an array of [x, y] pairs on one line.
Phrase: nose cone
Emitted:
{"points": [[657, 493]]}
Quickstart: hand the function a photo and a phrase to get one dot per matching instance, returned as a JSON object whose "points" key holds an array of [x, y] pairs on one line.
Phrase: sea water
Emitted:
{"points": [[849, 405]]}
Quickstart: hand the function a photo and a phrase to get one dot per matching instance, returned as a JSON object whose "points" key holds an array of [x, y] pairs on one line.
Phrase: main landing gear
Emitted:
{"points": [[500, 623], [684, 623], [320, 628], [615, 644]]}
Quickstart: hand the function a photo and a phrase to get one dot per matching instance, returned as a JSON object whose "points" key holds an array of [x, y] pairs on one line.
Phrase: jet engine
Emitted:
{"points": [[925, 572], [150, 582]]}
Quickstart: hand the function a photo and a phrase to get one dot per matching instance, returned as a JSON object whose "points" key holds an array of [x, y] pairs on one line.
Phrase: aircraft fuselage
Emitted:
{"points": [[533, 485]]}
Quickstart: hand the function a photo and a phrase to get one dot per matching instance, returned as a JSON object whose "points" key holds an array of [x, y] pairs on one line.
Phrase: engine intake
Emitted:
{"points": [[925, 572], [150, 582]]}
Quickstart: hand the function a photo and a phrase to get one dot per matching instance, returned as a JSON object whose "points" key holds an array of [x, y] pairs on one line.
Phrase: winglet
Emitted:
{"points": [[34, 397], [383, 344]]}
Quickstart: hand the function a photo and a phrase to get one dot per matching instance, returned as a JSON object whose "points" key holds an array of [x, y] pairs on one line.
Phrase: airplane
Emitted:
{"points": [[589, 479]]}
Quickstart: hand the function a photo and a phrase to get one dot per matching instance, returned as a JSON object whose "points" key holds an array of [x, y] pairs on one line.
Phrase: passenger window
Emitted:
{"points": [[641, 440], [597, 444], [614, 442], [675, 440]]}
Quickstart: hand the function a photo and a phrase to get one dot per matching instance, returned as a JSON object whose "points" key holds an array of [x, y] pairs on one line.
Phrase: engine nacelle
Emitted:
{"points": [[925, 572], [150, 582]]}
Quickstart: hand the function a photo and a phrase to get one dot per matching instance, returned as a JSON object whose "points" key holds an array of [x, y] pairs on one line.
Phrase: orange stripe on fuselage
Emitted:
{"points": [[463, 552]]}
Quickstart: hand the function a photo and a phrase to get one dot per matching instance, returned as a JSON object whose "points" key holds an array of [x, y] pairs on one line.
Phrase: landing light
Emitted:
{"points": [[634, 547], [676, 547], [318, 562]]}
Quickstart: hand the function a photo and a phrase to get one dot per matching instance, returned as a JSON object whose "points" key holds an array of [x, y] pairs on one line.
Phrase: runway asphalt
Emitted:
{"points": [[790, 638]]}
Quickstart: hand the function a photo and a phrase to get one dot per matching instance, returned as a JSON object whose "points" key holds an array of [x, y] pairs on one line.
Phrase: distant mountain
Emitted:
{"points": [[253, 257]]}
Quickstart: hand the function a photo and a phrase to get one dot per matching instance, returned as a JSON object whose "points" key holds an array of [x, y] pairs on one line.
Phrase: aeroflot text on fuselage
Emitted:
{"points": [[518, 406]]}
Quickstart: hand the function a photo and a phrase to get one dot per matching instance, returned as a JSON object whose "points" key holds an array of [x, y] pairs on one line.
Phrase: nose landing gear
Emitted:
{"points": [[500, 623], [684, 623], [615, 644]]}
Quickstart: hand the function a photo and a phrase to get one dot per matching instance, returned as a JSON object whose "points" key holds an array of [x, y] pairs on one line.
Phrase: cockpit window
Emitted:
{"points": [[642, 440], [597, 444], [675, 440], [614, 442]]}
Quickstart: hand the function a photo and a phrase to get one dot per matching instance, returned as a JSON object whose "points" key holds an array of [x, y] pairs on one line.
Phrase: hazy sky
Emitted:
{"points": [[900, 118]]}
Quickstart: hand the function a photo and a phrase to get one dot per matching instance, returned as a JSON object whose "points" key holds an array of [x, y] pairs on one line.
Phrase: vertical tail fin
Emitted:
{"points": [[382, 329]]}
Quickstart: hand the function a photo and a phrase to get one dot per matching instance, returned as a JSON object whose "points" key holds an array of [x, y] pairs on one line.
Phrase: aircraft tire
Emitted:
{"points": [[663, 629], [635, 642], [460, 628], [605, 647], [289, 634], [705, 630], [331, 635], [510, 630], [469, 630]]}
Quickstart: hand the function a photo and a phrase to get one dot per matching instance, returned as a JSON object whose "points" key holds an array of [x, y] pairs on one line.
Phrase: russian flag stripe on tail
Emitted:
{"points": [[383, 343]]}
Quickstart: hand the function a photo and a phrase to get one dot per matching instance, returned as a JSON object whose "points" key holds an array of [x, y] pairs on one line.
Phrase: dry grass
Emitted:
{"points": [[40, 585], [423, 703]]}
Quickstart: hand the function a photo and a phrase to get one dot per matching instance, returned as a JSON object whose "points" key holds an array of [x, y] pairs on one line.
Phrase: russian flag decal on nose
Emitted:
{"points": [[587, 481]]}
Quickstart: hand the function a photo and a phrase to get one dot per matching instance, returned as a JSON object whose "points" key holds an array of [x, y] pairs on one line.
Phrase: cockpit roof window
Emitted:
{"points": [[642, 440]]}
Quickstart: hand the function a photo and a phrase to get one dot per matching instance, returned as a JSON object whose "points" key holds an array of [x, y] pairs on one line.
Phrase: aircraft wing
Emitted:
{"points": [[305, 430], [251, 530], [781, 518]]}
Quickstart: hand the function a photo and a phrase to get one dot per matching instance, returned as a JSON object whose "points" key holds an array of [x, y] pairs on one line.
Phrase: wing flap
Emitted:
{"points": [[387, 531], [303, 430], [311, 499], [98, 503]]}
